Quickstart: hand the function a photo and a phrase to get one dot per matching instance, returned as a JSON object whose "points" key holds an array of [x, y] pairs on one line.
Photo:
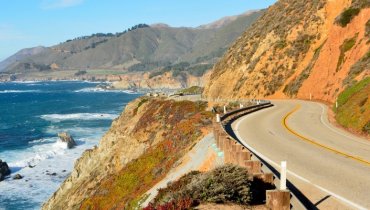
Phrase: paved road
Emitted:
{"points": [[330, 166]]}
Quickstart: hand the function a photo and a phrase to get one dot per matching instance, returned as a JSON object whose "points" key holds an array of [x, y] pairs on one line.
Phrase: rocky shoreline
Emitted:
{"points": [[4, 170]]}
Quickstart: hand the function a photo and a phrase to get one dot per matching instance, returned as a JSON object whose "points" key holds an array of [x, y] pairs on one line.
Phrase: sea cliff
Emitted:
{"points": [[142, 145]]}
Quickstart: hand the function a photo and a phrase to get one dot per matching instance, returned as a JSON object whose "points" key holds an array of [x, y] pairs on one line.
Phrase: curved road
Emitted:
{"points": [[331, 167]]}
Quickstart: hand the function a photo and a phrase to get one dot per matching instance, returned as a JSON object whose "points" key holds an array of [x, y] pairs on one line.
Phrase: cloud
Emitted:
{"points": [[57, 4]]}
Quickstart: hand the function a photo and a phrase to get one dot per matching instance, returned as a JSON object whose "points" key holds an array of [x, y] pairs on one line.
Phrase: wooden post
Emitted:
{"points": [[218, 119], [278, 199], [225, 110], [253, 167], [244, 156]]}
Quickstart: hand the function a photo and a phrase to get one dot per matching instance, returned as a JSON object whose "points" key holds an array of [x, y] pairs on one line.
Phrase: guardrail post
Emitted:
{"points": [[218, 119], [278, 199], [283, 176], [253, 167], [225, 110], [244, 156], [266, 177]]}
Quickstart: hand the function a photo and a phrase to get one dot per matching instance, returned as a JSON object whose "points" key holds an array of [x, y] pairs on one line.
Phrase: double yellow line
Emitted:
{"points": [[285, 124]]}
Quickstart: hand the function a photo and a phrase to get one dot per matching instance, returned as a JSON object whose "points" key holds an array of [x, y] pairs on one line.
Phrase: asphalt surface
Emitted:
{"points": [[331, 167]]}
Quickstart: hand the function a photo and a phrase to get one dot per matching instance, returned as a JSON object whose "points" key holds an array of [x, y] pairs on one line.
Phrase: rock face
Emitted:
{"points": [[17, 176], [65, 137], [296, 50], [4, 170], [164, 81]]}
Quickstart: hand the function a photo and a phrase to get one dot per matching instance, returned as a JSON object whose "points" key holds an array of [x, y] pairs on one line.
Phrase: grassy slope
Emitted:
{"points": [[184, 122], [354, 107]]}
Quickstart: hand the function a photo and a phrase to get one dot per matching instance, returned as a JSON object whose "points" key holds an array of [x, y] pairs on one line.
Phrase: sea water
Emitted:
{"points": [[31, 116]]}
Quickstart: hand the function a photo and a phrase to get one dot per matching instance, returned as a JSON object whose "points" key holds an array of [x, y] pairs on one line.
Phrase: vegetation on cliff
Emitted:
{"points": [[295, 50], [267, 54], [158, 131], [354, 107]]}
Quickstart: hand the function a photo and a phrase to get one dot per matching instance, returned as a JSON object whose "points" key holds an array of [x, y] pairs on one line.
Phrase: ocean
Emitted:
{"points": [[32, 114]]}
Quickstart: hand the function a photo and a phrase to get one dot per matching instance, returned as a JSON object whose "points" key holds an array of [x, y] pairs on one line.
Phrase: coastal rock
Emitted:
{"points": [[65, 137], [17, 176], [4, 170]]}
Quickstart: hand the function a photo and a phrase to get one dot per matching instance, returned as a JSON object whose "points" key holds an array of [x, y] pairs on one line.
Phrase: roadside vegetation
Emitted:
{"points": [[226, 184], [194, 90], [353, 110]]}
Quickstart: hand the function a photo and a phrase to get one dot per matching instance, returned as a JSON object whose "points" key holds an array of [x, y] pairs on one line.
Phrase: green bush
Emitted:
{"points": [[347, 15], [228, 183]]}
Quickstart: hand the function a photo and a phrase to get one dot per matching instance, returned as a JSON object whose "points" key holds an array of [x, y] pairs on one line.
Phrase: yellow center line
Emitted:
{"points": [[285, 124]]}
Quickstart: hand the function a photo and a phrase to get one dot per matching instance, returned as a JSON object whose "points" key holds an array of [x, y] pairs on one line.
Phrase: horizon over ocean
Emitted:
{"points": [[32, 114]]}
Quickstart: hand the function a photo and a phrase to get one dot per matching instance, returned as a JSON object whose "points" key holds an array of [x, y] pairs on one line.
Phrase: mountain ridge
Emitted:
{"points": [[158, 45]]}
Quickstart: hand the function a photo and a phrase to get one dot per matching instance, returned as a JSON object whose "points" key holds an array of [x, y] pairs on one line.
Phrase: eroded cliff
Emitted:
{"points": [[143, 143]]}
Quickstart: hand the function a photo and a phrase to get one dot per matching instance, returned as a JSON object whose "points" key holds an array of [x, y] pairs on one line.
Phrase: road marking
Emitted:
{"points": [[284, 122], [337, 132], [276, 165]]}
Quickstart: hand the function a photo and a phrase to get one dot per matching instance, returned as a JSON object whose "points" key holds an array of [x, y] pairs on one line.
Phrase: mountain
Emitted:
{"points": [[142, 48], [22, 54], [297, 49]]}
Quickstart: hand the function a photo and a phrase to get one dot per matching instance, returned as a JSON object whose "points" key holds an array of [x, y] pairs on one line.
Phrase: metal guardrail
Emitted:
{"points": [[235, 114]]}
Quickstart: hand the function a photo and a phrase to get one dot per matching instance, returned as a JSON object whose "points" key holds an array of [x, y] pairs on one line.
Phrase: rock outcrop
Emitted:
{"points": [[17, 176], [4, 170], [67, 138]]}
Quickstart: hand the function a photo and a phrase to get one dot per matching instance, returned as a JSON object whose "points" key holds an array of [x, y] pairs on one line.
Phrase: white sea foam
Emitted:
{"points": [[78, 116], [19, 91], [45, 159], [96, 89]]}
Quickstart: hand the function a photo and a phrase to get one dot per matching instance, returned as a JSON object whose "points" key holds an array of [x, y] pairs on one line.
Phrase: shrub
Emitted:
{"points": [[227, 183], [191, 91], [346, 46], [81, 72], [347, 15]]}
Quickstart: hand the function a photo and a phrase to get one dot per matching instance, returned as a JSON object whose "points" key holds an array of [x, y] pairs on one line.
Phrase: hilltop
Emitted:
{"points": [[141, 49]]}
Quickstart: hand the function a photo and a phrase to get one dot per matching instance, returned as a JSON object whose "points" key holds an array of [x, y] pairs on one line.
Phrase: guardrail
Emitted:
{"points": [[237, 153]]}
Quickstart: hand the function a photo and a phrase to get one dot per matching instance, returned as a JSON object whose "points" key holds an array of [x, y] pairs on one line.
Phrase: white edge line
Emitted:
{"points": [[348, 202], [334, 130]]}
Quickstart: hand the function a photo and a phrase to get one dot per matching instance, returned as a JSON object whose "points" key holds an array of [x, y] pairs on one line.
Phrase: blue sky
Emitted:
{"points": [[29, 23]]}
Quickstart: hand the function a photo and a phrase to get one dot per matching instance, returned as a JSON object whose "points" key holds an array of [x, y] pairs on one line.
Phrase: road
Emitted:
{"points": [[331, 167]]}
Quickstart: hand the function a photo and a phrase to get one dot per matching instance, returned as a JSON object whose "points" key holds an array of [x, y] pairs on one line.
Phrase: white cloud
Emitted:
{"points": [[56, 4]]}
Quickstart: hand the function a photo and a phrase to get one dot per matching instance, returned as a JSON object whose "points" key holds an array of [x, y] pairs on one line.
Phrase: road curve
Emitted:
{"points": [[328, 165]]}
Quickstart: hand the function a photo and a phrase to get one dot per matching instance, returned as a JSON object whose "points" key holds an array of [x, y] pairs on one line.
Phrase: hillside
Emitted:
{"points": [[143, 48], [142, 145], [297, 49]]}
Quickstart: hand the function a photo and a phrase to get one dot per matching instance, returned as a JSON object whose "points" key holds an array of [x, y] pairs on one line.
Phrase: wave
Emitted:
{"points": [[78, 116], [20, 91], [38, 153], [95, 90]]}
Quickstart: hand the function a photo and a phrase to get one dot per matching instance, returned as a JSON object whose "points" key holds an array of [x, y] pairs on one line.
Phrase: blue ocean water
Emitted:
{"points": [[31, 115]]}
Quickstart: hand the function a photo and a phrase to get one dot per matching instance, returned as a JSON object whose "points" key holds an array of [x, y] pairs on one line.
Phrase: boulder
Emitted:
{"points": [[65, 137], [17, 176], [4, 170]]}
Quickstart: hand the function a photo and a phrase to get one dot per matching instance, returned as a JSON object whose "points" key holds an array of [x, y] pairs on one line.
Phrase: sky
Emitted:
{"points": [[30, 23]]}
